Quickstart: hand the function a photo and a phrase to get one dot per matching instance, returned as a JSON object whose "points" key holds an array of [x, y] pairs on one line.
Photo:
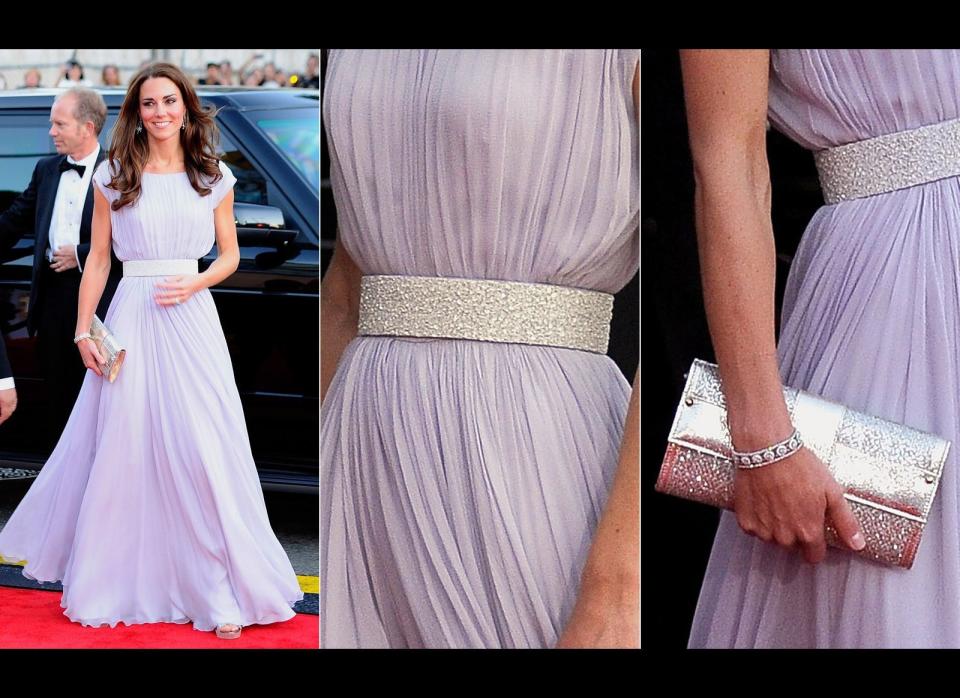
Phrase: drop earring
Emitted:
{"points": [[139, 126], [183, 126]]}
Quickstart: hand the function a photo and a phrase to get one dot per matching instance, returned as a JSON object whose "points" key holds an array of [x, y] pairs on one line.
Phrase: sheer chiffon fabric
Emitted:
{"points": [[462, 480], [150, 508], [870, 318]]}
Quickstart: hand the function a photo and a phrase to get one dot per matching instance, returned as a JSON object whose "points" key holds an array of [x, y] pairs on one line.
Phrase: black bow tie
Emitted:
{"points": [[66, 165]]}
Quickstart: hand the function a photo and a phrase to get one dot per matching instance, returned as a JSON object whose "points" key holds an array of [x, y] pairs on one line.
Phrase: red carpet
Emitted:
{"points": [[33, 619]]}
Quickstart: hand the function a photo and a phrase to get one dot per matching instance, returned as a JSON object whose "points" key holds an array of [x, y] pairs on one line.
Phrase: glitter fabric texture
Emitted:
{"points": [[481, 309], [890, 162], [891, 539], [889, 472]]}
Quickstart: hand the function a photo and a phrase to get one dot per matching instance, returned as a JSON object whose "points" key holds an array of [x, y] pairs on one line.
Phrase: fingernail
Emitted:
{"points": [[859, 543]]}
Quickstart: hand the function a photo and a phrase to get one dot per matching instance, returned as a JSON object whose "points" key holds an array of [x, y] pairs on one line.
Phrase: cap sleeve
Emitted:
{"points": [[101, 178], [224, 186]]}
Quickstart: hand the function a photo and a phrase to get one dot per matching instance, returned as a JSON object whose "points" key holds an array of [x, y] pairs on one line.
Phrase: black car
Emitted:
{"points": [[269, 308]]}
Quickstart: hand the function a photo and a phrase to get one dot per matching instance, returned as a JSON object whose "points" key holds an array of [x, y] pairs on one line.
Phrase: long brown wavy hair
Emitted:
{"points": [[131, 150]]}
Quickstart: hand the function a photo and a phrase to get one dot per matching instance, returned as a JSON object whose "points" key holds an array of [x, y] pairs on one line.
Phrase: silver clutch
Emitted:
{"points": [[889, 472], [109, 346]]}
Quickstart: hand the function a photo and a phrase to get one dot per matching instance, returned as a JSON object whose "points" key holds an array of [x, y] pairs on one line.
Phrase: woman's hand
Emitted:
{"points": [[175, 290], [786, 503], [92, 358]]}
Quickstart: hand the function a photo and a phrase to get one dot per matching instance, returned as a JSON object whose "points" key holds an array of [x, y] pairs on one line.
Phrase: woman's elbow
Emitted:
{"points": [[232, 261], [97, 261]]}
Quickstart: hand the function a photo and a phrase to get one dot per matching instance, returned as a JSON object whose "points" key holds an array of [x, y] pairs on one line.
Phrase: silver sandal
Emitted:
{"points": [[229, 634]]}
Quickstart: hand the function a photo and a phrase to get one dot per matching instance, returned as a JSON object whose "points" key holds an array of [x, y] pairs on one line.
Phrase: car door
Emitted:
{"points": [[23, 141], [270, 307]]}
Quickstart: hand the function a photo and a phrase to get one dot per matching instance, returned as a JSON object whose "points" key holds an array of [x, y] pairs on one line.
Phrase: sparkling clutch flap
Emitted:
{"points": [[889, 472], [109, 346]]}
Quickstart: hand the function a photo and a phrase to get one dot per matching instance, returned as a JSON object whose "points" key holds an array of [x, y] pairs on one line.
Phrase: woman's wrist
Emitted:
{"points": [[757, 413], [757, 423], [760, 432], [606, 588], [81, 329], [768, 455], [210, 277]]}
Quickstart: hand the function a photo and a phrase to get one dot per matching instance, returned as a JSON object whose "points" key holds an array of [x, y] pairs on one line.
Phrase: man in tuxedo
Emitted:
{"points": [[57, 207]]}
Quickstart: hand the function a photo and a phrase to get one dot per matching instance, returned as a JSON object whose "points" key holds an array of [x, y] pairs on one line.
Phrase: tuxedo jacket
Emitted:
{"points": [[32, 212]]}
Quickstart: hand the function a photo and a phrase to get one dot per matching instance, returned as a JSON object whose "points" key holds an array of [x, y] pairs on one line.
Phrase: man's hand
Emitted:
{"points": [[8, 403], [64, 257]]}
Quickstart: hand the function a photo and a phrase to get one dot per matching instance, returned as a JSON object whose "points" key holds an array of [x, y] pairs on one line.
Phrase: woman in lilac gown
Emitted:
{"points": [[870, 319], [150, 508], [463, 481]]}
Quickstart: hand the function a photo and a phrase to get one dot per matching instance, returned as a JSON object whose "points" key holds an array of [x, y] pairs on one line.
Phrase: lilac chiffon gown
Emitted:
{"points": [[149, 508], [462, 480], [871, 318]]}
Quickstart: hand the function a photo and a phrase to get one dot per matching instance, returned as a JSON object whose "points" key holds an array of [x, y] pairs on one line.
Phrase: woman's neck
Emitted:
{"points": [[165, 155]]}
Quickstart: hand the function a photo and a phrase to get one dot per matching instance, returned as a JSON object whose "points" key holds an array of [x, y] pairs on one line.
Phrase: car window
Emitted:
{"points": [[299, 140], [106, 133], [23, 141], [251, 187]]}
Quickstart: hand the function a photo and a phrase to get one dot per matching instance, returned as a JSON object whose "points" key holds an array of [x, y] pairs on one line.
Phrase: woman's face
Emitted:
{"points": [[161, 108], [111, 76], [74, 72]]}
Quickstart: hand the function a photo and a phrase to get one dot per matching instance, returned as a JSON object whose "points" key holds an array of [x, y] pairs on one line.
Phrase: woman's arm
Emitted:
{"points": [[726, 97], [180, 288], [94, 279], [607, 612], [339, 310]]}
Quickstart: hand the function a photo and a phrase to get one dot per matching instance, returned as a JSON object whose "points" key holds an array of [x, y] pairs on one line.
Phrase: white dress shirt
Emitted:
{"points": [[67, 214], [68, 207]]}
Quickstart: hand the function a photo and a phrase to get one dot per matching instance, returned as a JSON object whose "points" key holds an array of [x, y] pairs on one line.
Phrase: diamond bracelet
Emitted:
{"points": [[771, 454]]}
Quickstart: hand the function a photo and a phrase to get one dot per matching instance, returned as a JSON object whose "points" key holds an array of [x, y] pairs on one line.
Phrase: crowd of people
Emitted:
{"points": [[254, 72]]}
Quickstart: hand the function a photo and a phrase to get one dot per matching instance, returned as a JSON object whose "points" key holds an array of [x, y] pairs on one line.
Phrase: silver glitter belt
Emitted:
{"points": [[491, 311], [890, 162], [159, 267]]}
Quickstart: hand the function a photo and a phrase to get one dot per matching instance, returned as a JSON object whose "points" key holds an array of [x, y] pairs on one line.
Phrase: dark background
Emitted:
{"points": [[676, 534], [328, 211]]}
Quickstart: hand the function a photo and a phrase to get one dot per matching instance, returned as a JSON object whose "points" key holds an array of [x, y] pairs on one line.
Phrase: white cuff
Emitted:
{"points": [[77, 255], [6, 383]]}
